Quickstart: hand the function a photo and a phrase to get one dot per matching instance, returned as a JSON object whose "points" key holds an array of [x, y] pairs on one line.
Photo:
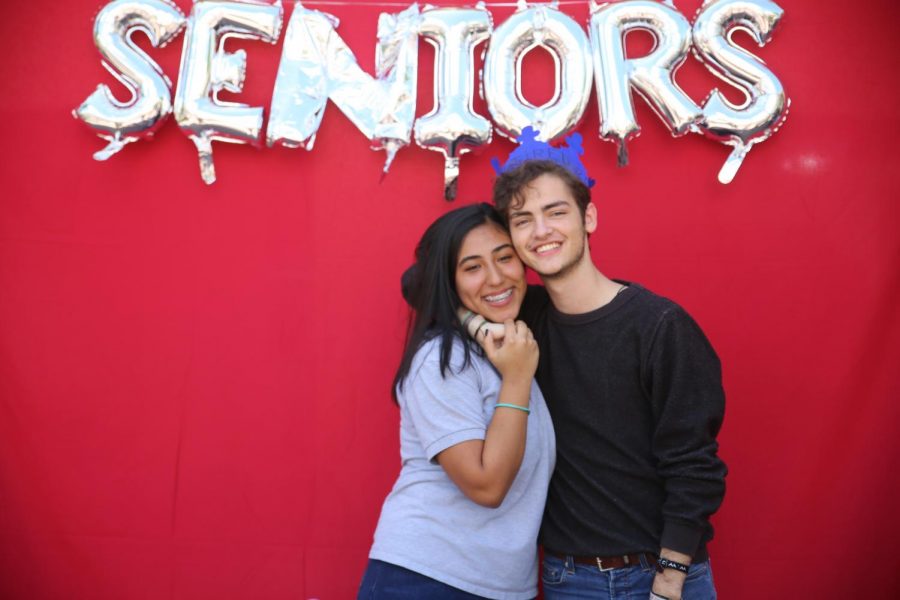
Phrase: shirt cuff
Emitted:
{"points": [[451, 439], [681, 537]]}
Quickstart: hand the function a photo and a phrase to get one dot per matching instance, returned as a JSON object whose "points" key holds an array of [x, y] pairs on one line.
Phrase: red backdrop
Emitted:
{"points": [[194, 380]]}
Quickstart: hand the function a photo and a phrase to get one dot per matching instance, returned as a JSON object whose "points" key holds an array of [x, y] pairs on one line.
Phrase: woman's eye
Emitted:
{"points": [[505, 258], [471, 268]]}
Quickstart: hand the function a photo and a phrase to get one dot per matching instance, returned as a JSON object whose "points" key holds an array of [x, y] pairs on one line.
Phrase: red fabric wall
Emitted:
{"points": [[194, 380]]}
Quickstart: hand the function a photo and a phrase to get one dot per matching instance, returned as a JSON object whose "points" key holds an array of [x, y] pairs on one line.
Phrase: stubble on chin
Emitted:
{"points": [[565, 269]]}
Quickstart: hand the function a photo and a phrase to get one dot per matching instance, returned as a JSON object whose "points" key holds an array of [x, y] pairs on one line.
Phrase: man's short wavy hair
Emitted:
{"points": [[510, 186]]}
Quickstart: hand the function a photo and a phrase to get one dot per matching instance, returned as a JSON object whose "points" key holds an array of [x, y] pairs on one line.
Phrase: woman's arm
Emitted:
{"points": [[485, 469]]}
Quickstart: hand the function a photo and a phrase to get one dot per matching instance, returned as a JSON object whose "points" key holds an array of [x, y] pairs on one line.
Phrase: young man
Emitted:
{"points": [[635, 392]]}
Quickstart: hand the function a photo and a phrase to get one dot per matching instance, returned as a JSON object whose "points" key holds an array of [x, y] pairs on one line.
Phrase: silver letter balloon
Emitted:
{"points": [[652, 75], [206, 69], [151, 91], [452, 127], [567, 43], [316, 64], [766, 104]]}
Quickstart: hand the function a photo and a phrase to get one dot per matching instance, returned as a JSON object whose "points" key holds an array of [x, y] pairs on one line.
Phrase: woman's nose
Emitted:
{"points": [[495, 277]]}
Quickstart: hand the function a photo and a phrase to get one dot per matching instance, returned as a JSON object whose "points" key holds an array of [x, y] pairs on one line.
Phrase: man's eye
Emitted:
{"points": [[558, 213], [520, 223]]}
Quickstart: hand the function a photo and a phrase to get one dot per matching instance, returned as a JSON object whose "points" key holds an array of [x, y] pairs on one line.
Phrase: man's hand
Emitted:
{"points": [[670, 582]]}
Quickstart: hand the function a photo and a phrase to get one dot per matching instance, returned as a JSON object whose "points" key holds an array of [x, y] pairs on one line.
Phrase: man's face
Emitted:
{"points": [[548, 231]]}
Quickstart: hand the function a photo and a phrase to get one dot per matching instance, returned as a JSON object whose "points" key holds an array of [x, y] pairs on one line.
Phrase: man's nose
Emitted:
{"points": [[541, 228]]}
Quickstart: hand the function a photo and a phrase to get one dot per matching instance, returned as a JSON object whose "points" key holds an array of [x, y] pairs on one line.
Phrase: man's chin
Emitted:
{"points": [[551, 274], [547, 271]]}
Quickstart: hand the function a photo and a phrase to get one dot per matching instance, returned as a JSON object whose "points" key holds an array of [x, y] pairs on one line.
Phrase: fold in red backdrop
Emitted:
{"points": [[194, 380]]}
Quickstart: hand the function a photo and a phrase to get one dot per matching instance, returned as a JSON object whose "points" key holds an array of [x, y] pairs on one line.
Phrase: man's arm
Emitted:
{"points": [[669, 582], [685, 384]]}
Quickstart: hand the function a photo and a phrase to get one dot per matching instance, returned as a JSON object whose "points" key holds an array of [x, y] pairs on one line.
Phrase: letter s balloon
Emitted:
{"points": [[121, 123], [766, 104]]}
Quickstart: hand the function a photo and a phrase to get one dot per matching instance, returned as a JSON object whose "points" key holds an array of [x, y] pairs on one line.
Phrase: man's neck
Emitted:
{"points": [[581, 290]]}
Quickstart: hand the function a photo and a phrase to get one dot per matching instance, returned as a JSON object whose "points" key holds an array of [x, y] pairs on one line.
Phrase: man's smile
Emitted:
{"points": [[547, 247]]}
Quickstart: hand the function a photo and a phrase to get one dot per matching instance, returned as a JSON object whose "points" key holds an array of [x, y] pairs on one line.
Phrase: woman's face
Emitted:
{"points": [[490, 278]]}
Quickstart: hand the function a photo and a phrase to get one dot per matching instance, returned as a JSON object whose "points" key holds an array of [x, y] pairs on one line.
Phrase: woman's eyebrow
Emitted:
{"points": [[478, 256]]}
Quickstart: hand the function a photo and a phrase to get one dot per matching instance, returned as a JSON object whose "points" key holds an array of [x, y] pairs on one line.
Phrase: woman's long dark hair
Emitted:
{"points": [[429, 286]]}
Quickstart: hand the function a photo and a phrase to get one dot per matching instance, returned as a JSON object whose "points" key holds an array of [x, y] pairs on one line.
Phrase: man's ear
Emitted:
{"points": [[590, 218]]}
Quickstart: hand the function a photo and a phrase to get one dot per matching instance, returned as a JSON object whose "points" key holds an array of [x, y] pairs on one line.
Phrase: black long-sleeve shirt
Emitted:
{"points": [[635, 391]]}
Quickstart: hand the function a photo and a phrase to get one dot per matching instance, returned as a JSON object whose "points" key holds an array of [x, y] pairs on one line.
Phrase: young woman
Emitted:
{"points": [[476, 440]]}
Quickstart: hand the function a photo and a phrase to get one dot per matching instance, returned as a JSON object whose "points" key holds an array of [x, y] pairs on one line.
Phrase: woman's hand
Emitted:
{"points": [[515, 355]]}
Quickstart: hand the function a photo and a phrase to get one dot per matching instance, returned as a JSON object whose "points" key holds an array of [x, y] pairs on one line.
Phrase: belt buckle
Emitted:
{"points": [[604, 570]]}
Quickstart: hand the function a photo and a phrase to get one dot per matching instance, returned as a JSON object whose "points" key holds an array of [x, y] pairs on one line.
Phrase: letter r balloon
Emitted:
{"points": [[652, 75]]}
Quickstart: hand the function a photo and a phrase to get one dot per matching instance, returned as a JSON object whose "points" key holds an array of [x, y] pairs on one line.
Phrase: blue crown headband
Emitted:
{"points": [[532, 149]]}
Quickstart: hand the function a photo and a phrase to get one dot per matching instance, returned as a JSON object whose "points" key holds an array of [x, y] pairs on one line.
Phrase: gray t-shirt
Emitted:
{"points": [[427, 524]]}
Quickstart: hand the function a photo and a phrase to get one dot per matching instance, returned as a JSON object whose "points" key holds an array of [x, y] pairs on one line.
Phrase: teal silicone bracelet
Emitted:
{"points": [[515, 406]]}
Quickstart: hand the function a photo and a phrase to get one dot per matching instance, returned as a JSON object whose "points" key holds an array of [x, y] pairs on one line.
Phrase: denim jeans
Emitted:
{"points": [[384, 581], [565, 580]]}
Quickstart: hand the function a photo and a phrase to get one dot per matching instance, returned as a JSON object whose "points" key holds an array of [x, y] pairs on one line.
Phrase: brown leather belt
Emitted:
{"points": [[607, 563]]}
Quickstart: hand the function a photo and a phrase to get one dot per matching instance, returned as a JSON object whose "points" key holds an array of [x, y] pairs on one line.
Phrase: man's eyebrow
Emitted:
{"points": [[544, 208], [553, 205]]}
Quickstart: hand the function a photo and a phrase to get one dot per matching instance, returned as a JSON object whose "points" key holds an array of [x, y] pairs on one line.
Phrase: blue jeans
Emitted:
{"points": [[566, 580], [384, 581]]}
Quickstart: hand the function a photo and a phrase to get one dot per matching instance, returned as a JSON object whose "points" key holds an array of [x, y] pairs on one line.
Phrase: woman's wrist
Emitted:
{"points": [[517, 407], [515, 392], [518, 384]]}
